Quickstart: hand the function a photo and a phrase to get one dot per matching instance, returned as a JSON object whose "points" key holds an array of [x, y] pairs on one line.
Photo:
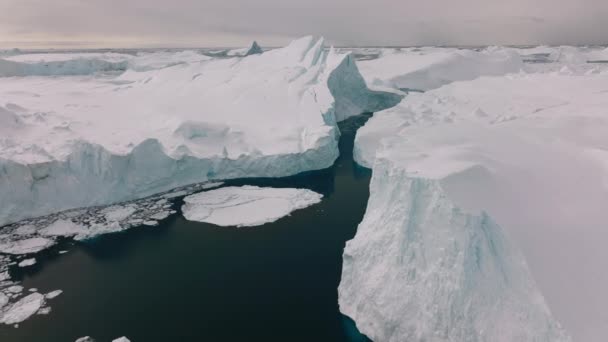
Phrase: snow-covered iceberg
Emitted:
{"points": [[422, 269], [430, 68], [254, 49], [533, 157], [81, 140], [246, 206]]}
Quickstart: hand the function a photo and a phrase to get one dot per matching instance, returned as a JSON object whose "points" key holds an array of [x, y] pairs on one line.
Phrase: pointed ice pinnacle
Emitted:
{"points": [[255, 49]]}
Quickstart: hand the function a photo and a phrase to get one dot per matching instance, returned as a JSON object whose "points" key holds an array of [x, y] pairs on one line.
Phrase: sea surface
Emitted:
{"points": [[189, 281]]}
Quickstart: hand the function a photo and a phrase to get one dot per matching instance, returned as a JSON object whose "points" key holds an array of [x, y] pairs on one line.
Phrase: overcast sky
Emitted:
{"points": [[211, 23]]}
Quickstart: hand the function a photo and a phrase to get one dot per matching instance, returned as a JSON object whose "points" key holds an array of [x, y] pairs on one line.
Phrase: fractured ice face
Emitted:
{"points": [[528, 149], [247, 205]]}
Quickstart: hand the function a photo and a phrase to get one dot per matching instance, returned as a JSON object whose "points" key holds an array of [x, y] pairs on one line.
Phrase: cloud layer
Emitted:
{"points": [[274, 22]]}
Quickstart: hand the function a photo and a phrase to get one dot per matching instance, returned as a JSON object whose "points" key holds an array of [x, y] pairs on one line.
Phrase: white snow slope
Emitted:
{"points": [[74, 141], [246, 206], [531, 150]]}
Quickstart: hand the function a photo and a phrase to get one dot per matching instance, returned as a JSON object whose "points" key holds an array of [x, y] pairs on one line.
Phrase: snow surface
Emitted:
{"points": [[246, 206], [530, 150], [430, 68], [270, 115], [422, 269]]}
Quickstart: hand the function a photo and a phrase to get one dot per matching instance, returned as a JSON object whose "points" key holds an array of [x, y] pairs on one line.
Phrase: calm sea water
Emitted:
{"points": [[188, 281]]}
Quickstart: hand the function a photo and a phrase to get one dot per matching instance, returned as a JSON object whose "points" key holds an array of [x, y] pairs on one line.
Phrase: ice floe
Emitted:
{"points": [[22, 309], [27, 262], [247, 205]]}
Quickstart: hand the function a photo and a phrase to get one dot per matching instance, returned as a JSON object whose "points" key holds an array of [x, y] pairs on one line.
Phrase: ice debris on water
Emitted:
{"points": [[28, 237]]}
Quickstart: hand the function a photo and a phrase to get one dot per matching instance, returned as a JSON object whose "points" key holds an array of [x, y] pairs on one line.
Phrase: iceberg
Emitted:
{"points": [[532, 157], [255, 49], [267, 115], [429, 68], [422, 269], [246, 206]]}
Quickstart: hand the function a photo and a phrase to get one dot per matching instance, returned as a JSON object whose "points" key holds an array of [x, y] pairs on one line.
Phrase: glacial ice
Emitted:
{"points": [[121, 339], [430, 68], [267, 115], [85, 339], [254, 49], [246, 206], [422, 269], [533, 157]]}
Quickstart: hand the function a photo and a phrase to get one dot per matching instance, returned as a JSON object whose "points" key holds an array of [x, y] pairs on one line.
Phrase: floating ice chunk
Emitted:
{"points": [[121, 339], [247, 205], [27, 246], [63, 228], [53, 294], [44, 311], [119, 213], [3, 301], [430, 68], [27, 262], [23, 309], [161, 215], [85, 339], [98, 229], [15, 289]]}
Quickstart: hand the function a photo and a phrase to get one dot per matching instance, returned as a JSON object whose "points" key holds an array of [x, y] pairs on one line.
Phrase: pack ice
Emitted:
{"points": [[99, 138], [455, 166]]}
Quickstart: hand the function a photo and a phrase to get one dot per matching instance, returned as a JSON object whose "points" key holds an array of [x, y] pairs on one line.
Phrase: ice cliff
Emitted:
{"points": [[531, 156], [422, 269], [74, 141]]}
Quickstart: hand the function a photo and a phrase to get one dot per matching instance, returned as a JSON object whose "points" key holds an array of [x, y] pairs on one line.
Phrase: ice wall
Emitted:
{"points": [[422, 269]]}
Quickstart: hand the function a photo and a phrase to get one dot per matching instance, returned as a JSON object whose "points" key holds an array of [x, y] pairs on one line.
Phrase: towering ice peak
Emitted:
{"points": [[422, 269], [255, 49]]}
